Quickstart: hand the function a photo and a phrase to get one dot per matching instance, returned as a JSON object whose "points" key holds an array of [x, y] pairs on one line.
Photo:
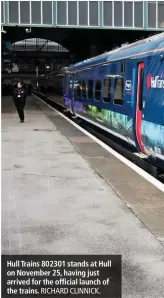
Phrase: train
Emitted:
{"points": [[52, 83], [122, 92]]}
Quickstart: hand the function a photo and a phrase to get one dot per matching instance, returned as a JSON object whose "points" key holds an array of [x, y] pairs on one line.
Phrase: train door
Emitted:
{"points": [[70, 92], [73, 92], [65, 82], [139, 106]]}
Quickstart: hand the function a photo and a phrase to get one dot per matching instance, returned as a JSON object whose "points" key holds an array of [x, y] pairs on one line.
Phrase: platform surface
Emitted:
{"points": [[60, 197]]}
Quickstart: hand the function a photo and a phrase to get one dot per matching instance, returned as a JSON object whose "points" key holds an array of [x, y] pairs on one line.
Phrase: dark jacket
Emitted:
{"points": [[19, 94]]}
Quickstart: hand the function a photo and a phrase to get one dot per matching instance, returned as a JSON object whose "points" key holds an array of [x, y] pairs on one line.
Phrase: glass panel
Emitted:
{"points": [[118, 91], [118, 14], [107, 13], [161, 14], [31, 44], [141, 89], [98, 90], [61, 12], [72, 12], [25, 12], [138, 14], [13, 12], [123, 67], [93, 13], [152, 14], [83, 13], [90, 89], [78, 89], [128, 14], [2, 16], [47, 12], [36, 12], [107, 86], [83, 89]]}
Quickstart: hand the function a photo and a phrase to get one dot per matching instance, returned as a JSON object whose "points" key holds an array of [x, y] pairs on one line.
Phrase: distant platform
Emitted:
{"points": [[62, 193]]}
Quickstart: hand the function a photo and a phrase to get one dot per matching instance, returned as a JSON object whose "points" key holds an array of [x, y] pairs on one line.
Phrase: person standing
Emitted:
{"points": [[30, 88], [19, 99]]}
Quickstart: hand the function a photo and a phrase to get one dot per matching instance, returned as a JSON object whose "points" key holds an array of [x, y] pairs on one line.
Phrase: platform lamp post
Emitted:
{"points": [[37, 77], [37, 73]]}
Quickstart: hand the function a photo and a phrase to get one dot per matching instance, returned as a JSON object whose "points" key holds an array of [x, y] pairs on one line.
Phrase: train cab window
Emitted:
{"points": [[83, 89], [90, 89], [107, 86], [141, 89], [123, 67], [118, 91], [78, 89], [98, 90]]}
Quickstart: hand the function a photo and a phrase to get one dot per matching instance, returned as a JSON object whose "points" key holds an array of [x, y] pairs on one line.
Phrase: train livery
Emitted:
{"points": [[122, 92]]}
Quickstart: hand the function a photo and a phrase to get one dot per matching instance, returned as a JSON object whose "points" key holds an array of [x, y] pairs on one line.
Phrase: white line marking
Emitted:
{"points": [[128, 163]]}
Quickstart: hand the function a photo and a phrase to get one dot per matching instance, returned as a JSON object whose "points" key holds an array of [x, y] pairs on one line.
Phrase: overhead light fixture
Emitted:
{"points": [[3, 31], [28, 30]]}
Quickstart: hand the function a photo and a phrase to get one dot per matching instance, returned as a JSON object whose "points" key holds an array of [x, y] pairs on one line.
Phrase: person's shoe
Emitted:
{"points": [[22, 121]]}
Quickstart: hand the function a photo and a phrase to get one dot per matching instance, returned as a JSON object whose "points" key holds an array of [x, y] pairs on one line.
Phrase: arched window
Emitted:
{"points": [[38, 44]]}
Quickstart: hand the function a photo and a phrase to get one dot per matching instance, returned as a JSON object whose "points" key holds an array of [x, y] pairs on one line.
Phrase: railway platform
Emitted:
{"points": [[62, 193]]}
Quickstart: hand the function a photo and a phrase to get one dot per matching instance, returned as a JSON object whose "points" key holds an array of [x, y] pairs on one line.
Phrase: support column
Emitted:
{"points": [[37, 74], [54, 14], [6, 12], [100, 7], [145, 12]]}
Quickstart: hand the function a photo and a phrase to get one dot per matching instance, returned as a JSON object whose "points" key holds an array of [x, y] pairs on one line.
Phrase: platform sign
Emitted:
{"points": [[15, 68], [128, 85]]}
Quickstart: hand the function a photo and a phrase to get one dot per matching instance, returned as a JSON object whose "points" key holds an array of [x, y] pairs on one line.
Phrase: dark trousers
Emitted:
{"points": [[20, 104]]}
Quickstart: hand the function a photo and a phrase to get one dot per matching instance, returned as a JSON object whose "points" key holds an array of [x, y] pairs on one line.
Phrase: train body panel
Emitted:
{"points": [[123, 92]]}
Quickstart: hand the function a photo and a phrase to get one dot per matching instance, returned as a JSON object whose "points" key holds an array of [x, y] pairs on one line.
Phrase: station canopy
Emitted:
{"points": [[38, 44]]}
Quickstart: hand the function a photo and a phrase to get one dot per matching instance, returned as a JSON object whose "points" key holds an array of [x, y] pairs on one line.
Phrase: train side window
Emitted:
{"points": [[98, 90], [118, 91], [90, 89], [75, 84], [83, 89], [78, 89], [123, 67], [107, 86]]}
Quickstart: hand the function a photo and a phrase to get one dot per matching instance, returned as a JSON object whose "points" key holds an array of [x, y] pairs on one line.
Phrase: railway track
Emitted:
{"points": [[113, 142]]}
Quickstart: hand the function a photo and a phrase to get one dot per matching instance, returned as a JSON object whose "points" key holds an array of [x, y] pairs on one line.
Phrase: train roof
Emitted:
{"points": [[141, 47]]}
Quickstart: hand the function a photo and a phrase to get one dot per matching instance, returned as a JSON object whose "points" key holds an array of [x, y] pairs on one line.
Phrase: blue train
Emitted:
{"points": [[122, 92]]}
